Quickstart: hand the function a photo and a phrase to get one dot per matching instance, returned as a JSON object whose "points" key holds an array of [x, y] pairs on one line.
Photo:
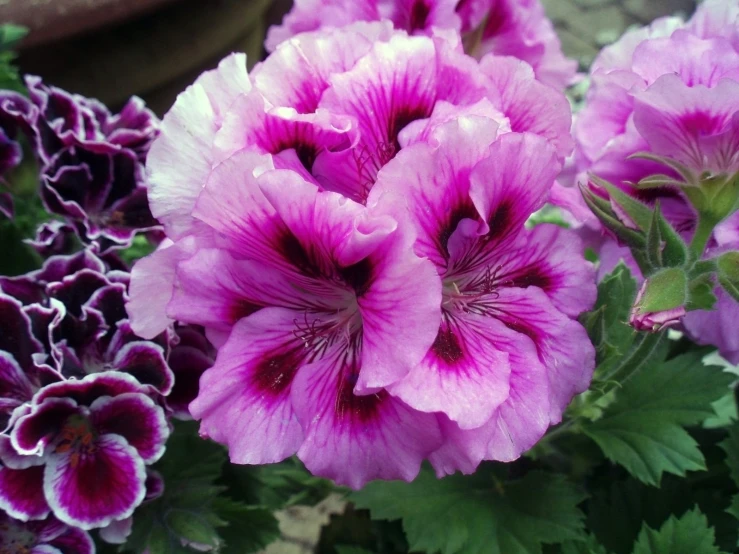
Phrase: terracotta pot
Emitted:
{"points": [[155, 55], [53, 20]]}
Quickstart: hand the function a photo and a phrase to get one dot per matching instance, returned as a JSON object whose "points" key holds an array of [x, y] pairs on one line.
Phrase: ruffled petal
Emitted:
{"points": [[73, 541], [33, 432], [563, 345], [694, 125], [22, 493], [137, 419], [15, 387], [145, 361], [244, 400], [117, 532], [512, 183], [114, 493], [529, 105], [179, 160], [354, 439], [298, 72], [716, 327], [550, 258], [464, 374], [16, 337], [85, 391]]}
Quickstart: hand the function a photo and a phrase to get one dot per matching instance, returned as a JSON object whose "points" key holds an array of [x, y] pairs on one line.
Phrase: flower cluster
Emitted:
{"points": [[85, 404], [83, 395], [518, 28], [92, 161], [347, 222], [663, 111]]}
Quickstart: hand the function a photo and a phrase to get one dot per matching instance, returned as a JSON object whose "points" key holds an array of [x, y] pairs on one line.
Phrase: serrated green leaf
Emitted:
{"points": [[248, 528], [642, 429], [192, 527], [606, 323], [471, 514], [689, 534]]}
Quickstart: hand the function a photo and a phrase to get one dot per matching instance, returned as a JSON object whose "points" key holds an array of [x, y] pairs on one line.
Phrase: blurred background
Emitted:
{"points": [[112, 49]]}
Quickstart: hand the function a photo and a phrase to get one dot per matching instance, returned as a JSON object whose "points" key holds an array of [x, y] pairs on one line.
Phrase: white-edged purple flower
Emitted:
{"points": [[48, 536], [104, 425], [91, 160]]}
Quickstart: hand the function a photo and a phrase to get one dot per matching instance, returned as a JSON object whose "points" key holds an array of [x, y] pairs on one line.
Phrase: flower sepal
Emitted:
{"points": [[728, 273], [661, 301]]}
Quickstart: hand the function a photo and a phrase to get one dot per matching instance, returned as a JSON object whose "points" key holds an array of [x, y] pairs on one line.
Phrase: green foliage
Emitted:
{"points": [[607, 323], [642, 429], [731, 447], [689, 534], [10, 36], [193, 512], [479, 514]]}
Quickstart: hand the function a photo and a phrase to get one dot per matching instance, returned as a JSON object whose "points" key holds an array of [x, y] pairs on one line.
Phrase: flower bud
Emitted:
{"points": [[661, 301]]}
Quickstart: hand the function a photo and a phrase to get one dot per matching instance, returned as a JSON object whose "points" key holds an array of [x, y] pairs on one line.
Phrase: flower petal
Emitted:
{"points": [[22, 493], [85, 391], [115, 492], [563, 345], [244, 399], [117, 532], [33, 432], [137, 419], [73, 541], [145, 361], [464, 374], [354, 439], [513, 182], [179, 160]]}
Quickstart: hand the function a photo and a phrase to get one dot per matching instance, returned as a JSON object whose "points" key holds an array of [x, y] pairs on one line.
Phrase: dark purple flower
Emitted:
{"points": [[189, 358], [48, 536], [53, 238], [10, 152], [92, 160], [103, 425]]}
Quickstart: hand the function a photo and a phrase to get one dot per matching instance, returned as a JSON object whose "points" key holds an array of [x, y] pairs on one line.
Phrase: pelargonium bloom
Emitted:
{"points": [[49, 536], [75, 307], [266, 185], [508, 356], [103, 425], [336, 117], [320, 294], [670, 90], [92, 160], [518, 28]]}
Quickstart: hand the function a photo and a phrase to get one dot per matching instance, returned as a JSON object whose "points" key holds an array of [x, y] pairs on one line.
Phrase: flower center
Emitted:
{"points": [[15, 539], [77, 439], [471, 294]]}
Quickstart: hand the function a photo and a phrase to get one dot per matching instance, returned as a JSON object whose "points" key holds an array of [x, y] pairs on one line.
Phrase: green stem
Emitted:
{"points": [[631, 365], [703, 232]]}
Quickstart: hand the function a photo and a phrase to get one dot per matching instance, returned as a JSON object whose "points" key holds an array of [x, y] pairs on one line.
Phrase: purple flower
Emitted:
{"points": [[103, 425], [334, 119], [671, 90], [330, 290], [92, 160], [508, 356], [76, 311], [48, 536], [270, 188], [518, 28], [189, 358]]}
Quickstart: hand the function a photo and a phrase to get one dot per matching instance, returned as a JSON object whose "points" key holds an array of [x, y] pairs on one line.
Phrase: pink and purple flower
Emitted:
{"points": [[296, 239], [48, 536], [517, 28]]}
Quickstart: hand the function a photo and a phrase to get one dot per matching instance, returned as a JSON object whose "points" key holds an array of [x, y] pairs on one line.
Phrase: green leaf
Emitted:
{"points": [[689, 534], [11, 34], [606, 323], [192, 527], [731, 446], [474, 514], [642, 429], [248, 528]]}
